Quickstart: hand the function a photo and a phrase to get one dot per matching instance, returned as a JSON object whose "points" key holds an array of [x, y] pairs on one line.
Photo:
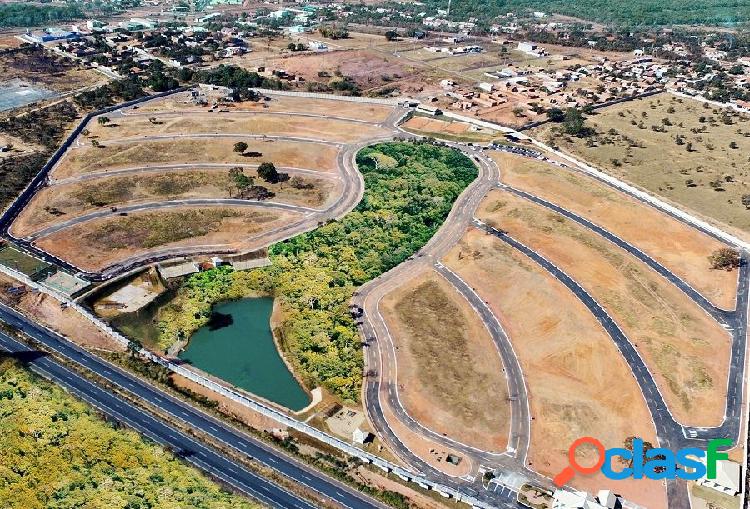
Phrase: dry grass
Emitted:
{"points": [[357, 111], [66, 201], [102, 242], [710, 180], [578, 383], [197, 150], [685, 349], [450, 370], [682, 249], [200, 123]]}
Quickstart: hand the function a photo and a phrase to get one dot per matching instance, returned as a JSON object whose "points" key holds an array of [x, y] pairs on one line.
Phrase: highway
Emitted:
{"points": [[205, 457]]}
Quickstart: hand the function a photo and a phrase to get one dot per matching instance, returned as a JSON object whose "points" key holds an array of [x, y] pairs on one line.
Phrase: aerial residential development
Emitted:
{"points": [[385, 254]]}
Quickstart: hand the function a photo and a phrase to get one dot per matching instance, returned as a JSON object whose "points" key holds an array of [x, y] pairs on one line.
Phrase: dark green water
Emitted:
{"points": [[240, 350]]}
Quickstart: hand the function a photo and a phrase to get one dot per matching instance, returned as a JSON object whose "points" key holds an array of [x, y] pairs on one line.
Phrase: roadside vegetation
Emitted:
{"points": [[409, 190], [56, 451]]}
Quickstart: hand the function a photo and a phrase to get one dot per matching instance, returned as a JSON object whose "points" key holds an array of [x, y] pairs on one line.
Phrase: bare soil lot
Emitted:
{"points": [[100, 243], [374, 113], [50, 312], [450, 371], [194, 150], [682, 249], [578, 383], [683, 347], [450, 130], [697, 157], [370, 69], [240, 124], [66, 201]]}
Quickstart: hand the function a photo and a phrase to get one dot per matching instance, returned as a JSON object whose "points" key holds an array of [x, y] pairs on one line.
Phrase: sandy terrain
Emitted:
{"points": [[271, 125], [195, 150], [682, 249], [49, 311], [449, 372], [685, 349], [578, 383], [64, 202], [701, 172], [100, 243], [345, 109]]}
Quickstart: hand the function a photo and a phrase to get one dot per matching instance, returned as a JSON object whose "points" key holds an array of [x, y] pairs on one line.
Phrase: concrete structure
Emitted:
{"points": [[728, 478]]}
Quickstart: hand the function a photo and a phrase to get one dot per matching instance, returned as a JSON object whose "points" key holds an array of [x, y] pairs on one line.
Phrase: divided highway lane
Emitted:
{"points": [[199, 455], [179, 410]]}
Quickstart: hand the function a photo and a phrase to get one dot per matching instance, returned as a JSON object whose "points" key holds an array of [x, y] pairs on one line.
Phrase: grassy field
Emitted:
{"points": [[448, 130], [344, 109], [96, 244], [296, 154], [682, 249], [685, 349], [578, 383], [55, 451], [271, 125], [697, 157], [451, 373], [63, 202]]}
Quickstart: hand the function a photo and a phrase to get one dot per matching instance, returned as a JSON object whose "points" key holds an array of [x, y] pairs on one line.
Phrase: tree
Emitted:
{"points": [[733, 145], [240, 147], [724, 258], [268, 172], [746, 200], [103, 120], [134, 347], [239, 179], [574, 123], [391, 35]]}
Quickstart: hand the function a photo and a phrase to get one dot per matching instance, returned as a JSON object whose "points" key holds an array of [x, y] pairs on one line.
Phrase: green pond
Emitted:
{"points": [[237, 346]]}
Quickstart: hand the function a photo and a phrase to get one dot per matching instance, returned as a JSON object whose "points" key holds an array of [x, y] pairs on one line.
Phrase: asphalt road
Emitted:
{"points": [[201, 455], [734, 321]]}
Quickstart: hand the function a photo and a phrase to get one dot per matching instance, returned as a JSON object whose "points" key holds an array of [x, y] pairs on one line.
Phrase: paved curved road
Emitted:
{"points": [[167, 204]]}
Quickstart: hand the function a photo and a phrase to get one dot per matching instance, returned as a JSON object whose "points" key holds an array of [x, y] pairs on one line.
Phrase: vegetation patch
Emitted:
{"points": [[156, 229], [314, 275], [55, 451]]}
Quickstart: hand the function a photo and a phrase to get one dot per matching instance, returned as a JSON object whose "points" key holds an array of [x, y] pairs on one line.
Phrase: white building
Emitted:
{"points": [[728, 479]]}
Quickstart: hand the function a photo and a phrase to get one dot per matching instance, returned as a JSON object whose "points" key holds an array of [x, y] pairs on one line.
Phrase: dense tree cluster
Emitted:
{"points": [[409, 190], [29, 15], [57, 452], [116, 91], [237, 78]]}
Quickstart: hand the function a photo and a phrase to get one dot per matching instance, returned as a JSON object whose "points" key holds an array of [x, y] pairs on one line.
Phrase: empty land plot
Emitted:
{"points": [[240, 124], [682, 249], [296, 154], [370, 112], [451, 130], [696, 157], [66, 201], [100, 243], [686, 350], [451, 373], [577, 382]]}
